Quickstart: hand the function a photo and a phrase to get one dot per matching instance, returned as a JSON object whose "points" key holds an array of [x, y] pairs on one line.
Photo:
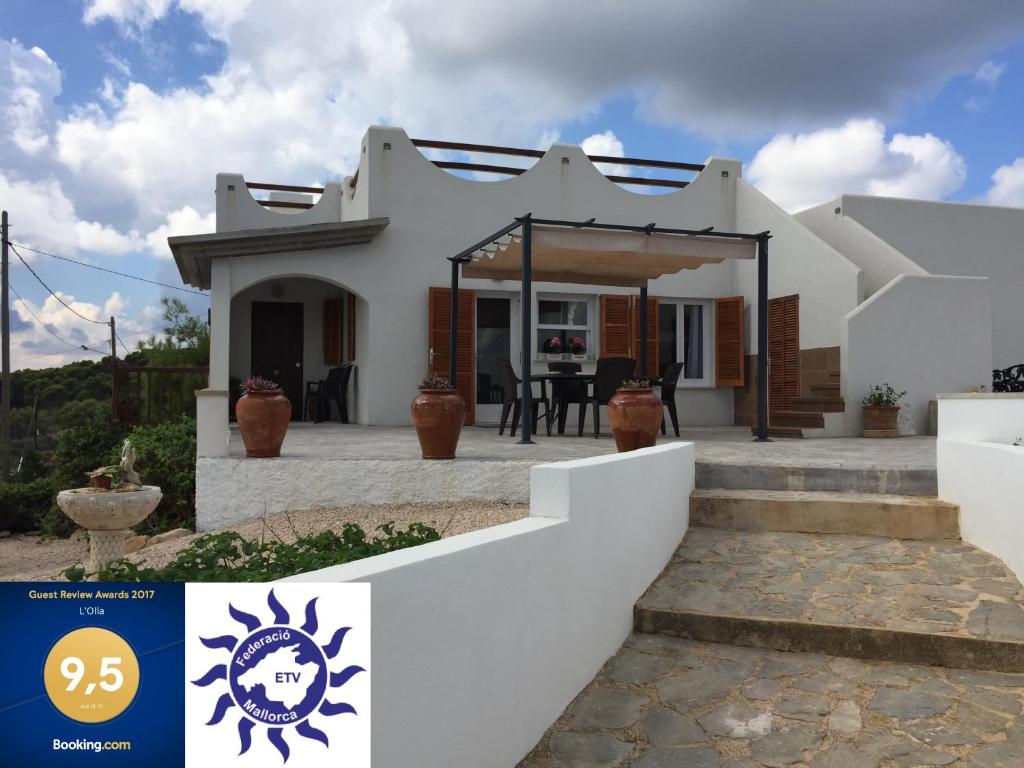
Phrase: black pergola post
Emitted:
{"points": [[453, 310], [642, 373], [762, 338], [526, 300]]}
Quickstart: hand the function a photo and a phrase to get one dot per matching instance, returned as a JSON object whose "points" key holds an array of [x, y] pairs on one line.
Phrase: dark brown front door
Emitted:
{"points": [[784, 352], [277, 347]]}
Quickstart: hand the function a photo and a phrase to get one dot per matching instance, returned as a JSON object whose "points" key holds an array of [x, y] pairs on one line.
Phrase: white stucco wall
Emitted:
{"points": [[513, 621], [980, 470], [878, 260], [435, 214], [798, 262], [959, 239], [920, 333]]}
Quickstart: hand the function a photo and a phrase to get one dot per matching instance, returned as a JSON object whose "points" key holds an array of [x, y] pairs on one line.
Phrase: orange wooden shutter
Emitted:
{"points": [[332, 331], [784, 352], [350, 325], [729, 351], [438, 327], [614, 325], [652, 334]]}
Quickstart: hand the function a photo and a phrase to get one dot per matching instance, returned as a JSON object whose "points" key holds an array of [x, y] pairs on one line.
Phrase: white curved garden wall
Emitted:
{"points": [[481, 640], [980, 469]]}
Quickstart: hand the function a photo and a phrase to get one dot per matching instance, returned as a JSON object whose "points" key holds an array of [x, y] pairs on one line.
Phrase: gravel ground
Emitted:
{"points": [[29, 558]]}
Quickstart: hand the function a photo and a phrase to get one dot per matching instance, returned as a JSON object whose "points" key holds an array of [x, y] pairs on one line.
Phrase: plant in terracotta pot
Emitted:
{"points": [[438, 412], [634, 412], [263, 413], [881, 411]]}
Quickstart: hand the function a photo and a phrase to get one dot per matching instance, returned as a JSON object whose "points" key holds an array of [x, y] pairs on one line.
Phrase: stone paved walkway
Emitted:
{"points": [[938, 587], [661, 702]]}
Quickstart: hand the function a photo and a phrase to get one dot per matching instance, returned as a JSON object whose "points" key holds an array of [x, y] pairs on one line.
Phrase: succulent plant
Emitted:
{"points": [[435, 381], [635, 384], [258, 384]]}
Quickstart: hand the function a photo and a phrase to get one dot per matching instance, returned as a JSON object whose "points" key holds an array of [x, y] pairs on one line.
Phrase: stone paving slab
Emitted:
{"points": [[936, 587], [662, 702]]}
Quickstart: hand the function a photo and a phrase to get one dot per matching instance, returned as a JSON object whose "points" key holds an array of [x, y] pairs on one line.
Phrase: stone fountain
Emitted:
{"points": [[108, 514]]}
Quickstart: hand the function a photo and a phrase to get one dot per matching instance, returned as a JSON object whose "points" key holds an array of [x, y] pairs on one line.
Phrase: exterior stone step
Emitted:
{"points": [[803, 419], [820, 404], [920, 602], [786, 477], [775, 431], [906, 517]]}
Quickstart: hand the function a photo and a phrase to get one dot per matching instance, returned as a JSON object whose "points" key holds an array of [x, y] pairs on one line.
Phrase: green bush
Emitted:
{"points": [[165, 455], [230, 557], [23, 505], [86, 446]]}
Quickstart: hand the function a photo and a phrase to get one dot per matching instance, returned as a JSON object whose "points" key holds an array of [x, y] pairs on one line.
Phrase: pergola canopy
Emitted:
{"points": [[562, 254]]}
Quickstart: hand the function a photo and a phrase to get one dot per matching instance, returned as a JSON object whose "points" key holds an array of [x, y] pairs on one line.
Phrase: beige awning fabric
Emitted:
{"points": [[603, 257]]}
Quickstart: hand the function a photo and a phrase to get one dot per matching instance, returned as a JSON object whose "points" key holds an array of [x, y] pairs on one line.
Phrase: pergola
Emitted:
{"points": [[588, 252]]}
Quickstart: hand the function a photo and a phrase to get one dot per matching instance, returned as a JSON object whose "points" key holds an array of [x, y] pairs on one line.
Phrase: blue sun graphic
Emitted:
{"points": [[278, 676]]}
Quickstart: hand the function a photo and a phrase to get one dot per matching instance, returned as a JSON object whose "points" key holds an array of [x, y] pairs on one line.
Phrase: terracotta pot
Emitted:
{"points": [[880, 420], [635, 416], [438, 415], [263, 421], [106, 482]]}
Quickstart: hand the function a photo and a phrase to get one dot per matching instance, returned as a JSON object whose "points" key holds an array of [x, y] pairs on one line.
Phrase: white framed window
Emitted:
{"points": [[684, 336], [565, 325]]}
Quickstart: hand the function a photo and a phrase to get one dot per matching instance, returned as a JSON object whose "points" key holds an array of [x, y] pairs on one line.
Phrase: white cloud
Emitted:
{"points": [[33, 346], [43, 217], [1008, 185], [135, 13], [608, 145], [184, 221], [798, 171], [29, 80], [989, 73]]}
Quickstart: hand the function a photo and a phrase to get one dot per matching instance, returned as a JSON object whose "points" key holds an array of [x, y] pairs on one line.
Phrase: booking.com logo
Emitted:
{"points": [[84, 745]]}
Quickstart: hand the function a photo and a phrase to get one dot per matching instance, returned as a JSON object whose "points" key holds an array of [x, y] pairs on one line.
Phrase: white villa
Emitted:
{"points": [[862, 290]]}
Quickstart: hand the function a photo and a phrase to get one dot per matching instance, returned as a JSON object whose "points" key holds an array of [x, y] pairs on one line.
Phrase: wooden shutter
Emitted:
{"points": [[350, 325], [652, 335], [729, 350], [332, 331], [784, 352], [438, 328], [614, 325]]}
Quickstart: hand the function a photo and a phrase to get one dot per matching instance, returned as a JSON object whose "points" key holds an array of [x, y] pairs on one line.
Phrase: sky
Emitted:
{"points": [[120, 112]]}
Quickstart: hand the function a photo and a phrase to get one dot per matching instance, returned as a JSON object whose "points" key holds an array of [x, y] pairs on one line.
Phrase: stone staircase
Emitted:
{"points": [[808, 416], [816, 629]]}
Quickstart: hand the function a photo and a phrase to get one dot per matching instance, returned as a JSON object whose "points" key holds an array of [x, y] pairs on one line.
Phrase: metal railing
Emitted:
{"points": [[148, 394]]}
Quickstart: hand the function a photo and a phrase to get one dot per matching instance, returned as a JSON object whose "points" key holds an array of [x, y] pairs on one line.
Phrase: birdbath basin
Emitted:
{"points": [[108, 515]]}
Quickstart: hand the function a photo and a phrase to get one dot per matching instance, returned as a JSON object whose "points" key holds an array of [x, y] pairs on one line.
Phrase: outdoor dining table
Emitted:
{"points": [[557, 378]]}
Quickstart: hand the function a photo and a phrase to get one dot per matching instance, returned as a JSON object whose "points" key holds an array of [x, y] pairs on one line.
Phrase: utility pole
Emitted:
{"points": [[5, 344]]}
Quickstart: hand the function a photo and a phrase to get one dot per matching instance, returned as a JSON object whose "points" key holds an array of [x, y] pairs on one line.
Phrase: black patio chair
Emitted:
{"points": [[565, 392], [334, 388], [511, 401], [610, 373], [668, 395]]}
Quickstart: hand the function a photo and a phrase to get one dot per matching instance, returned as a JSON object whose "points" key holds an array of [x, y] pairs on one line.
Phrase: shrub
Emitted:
{"points": [[883, 395], [228, 556], [23, 505], [82, 448], [165, 455]]}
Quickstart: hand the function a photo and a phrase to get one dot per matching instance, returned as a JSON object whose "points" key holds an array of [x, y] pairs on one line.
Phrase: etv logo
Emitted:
{"points": [[302, 684]]}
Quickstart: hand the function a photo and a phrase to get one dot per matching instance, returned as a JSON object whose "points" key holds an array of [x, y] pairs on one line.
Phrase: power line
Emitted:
{"points": [[47, 327], [111, 271], [58, 298]]}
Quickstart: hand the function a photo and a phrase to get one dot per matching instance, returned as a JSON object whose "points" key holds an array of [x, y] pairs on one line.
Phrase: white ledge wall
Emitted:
{"points": [[481, 640], [920, 333], [979, 469]]}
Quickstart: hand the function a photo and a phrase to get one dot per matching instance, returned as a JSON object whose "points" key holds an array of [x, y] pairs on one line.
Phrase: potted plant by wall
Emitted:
{"points": [[578, 347], [553, 346], [881, 411], [263, 413], [438, 412], [634, 412]]}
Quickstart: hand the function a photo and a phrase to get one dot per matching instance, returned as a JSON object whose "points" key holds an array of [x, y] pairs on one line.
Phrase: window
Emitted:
{"points": [[567, 320], [683, 337]]}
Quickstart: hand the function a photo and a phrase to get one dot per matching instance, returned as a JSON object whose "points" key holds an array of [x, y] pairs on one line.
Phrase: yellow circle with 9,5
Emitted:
{"points": [[91, 675]]}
